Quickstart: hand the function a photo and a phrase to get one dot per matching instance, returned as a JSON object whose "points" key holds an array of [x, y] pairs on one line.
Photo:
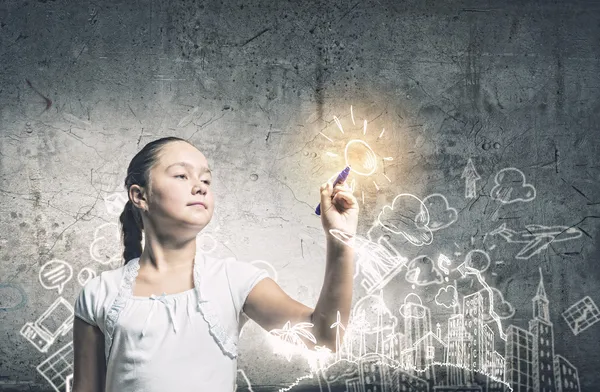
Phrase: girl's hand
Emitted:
{"points": [[339, 208]]}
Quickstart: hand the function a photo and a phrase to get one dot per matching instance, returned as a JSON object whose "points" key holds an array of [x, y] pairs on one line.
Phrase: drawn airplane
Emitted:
{"points": [[536, 237]]}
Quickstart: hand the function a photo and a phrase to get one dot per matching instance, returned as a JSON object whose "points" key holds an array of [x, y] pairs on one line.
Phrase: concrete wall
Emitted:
{"points": [[506, 84]]}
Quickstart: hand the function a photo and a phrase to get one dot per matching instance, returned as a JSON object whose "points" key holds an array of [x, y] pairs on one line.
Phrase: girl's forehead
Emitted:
{"points": [[184, 154]]}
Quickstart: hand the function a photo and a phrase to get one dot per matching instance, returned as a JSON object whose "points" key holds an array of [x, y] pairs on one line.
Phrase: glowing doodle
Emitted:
{"points": [[470, 175], [409, 217], [58, 367], [69, 383], [536, 237], [441, 215], [360, 157], [503, 308], [55, 274], [581, 315], [511, 187], [377, 264], [205, 243], [421, 271], [242, 383], [289, 338], [115, 203], [337, 325], [57, 320], [85, 275], [105, 247], [443, 264], [447, 297]]}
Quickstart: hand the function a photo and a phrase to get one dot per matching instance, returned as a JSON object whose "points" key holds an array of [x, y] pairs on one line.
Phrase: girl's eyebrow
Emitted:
{"points": [[189, 166]]}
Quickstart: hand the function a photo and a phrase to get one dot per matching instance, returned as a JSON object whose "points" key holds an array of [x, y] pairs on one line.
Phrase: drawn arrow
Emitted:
{"points": [[470, 175]]}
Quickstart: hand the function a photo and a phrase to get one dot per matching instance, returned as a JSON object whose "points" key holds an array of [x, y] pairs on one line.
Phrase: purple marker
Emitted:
{"points": [[340, 178]]}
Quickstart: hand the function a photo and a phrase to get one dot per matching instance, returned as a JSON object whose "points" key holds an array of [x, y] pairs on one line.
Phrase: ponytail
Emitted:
{"points": [[131, 227]]}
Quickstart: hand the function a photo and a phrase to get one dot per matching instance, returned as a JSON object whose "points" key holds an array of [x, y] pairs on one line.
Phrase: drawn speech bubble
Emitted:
{"points": [[55, 274]]}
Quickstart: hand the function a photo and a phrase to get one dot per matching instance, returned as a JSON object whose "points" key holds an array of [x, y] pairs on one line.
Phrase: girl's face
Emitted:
{"points": [[180, 178]]}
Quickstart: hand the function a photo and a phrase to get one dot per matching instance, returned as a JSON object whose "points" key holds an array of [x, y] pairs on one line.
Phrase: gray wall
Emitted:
{"points": [[509, 85]]}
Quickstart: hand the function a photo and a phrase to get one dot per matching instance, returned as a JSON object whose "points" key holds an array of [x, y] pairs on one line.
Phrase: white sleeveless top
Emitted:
{"points": [[178, 342]]}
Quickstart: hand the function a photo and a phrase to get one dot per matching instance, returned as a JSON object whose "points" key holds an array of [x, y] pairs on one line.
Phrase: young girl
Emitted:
{"points": [[169, 319]]}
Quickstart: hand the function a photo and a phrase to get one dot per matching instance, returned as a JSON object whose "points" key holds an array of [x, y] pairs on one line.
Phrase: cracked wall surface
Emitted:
{"points": [[484, 112]]}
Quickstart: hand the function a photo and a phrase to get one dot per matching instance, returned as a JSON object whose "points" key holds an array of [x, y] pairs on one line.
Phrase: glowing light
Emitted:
{"points": [[381, 134], [360, 157], [352, 115], [331, 154], [339, 124], [326, 137], [365, 127], [387, 178]]}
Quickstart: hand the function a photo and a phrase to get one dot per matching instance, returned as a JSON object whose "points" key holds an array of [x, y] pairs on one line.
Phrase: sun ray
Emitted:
{"points": [[325, 136], [339, 124], [352, 115], [381, 134], [365, 127]]}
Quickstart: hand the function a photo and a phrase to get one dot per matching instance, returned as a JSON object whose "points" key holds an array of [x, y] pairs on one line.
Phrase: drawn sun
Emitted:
{"points": [[358, 154]]}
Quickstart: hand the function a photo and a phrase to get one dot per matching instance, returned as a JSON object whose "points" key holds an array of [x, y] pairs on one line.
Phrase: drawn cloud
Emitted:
{"points": [[503, 308], [441, 215], [422, 271], [413, 307], [446, 297], [511, 187], [105, 247], [407, 216]]}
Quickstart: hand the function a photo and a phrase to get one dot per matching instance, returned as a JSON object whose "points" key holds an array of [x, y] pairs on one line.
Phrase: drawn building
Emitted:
{"points": [[541, 329], [393, 345], [374, 375], [417, 322], [353, 385], [567, 378], [457, 343], [519, 359], [479, 348], [495, 383], [402, 381]]}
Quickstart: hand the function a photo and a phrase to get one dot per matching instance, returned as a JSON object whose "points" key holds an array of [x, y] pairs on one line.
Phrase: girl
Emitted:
{"points": [[127, 337]]}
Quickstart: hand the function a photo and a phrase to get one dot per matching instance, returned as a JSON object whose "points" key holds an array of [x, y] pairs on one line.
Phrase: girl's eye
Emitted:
{"points": [[180, 175], [207, 182]]}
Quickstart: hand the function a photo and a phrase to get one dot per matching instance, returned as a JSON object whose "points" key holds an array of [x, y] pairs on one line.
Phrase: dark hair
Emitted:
{"points": [[138, 173]]}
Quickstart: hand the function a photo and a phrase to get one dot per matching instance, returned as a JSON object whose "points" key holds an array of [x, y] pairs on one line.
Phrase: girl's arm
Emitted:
{"points": [[89, 366], [271, 307]]}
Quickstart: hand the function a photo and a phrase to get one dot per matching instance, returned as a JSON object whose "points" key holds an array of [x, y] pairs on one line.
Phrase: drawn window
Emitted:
{"points": [[430, 352]]}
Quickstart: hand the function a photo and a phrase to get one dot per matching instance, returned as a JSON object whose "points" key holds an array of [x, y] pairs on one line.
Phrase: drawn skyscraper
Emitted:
{"points": [[543, 342], [519, 359], [457, 342]]}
